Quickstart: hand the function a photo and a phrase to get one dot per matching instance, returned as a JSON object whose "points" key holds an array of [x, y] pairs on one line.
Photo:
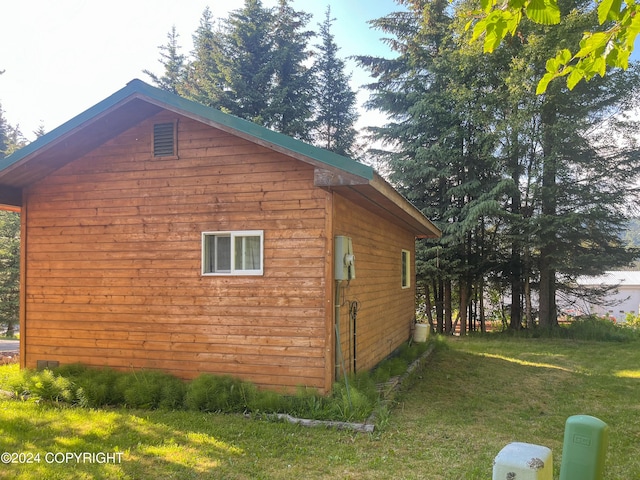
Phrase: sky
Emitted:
{"points": [[61, 57]]}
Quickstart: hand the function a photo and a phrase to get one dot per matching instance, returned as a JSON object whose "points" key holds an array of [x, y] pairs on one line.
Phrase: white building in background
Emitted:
{"points": [[620, 301]]}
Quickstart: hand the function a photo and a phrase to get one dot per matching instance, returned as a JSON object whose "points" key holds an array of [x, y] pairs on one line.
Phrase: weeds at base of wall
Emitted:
{"points": [[145, 389]]}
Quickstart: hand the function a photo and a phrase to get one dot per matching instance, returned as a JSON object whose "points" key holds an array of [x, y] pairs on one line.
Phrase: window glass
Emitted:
{"points": [[406, 269], [223, 253], [247, 253], [234, 253]]}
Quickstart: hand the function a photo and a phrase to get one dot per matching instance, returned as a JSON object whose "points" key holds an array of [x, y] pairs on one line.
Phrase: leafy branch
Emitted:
{"points": [[598, 50]]}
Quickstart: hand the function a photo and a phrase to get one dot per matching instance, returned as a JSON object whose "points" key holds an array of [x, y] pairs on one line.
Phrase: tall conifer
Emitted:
{"points": [[335, 102], [290, 106], [173, 62]]}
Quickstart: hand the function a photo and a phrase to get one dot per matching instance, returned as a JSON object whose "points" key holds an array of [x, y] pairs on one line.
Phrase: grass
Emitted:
{"points": [[353, 399], [473, 397]]}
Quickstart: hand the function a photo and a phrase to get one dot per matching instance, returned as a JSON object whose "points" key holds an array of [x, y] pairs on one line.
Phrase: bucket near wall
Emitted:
{"points": [[421, 332]]}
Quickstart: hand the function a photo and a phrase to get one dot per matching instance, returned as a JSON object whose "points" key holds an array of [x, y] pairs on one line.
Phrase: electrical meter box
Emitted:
{"points": [[523, 461], [344, 266], [584, 449]]}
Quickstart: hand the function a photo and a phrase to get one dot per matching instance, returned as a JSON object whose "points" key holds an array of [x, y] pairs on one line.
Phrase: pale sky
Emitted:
{"points": [[62, 56]]}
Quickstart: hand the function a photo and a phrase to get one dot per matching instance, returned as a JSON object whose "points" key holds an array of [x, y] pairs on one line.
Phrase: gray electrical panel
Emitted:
{"points": [[344, 266]]}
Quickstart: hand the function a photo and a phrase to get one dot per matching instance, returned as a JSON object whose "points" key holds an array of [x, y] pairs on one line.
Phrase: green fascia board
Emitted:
{"points": [[140, 89]]}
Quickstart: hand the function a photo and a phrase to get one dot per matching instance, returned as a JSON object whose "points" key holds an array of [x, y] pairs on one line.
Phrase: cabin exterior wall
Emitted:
{"points": [[386, 309], [113, 261]]}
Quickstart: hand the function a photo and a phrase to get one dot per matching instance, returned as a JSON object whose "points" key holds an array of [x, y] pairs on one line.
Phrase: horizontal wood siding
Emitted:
{"points": [[113, 260], [386, 309]]}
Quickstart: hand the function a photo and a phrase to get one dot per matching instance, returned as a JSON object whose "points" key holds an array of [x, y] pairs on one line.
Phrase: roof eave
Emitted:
{"points": [[426, 228]]}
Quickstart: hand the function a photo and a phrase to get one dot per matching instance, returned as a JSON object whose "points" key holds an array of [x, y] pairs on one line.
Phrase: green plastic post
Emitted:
{"points": [[584, 449]]}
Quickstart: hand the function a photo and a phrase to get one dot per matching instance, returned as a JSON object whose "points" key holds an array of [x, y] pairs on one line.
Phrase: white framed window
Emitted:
{"points": [[405, 281], [233, 253]]}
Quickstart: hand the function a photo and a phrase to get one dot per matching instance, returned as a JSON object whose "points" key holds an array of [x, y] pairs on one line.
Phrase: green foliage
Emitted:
{"points": [[213, 393], [151, 389], [609, 44], [173, 62], [9, 270], [98, 388], [528, 190], [335, 102], [256, 64], [44, 385], [632, 320], [351, 400], [600, 329], [586, 328], [482, 392], [253, 64]]}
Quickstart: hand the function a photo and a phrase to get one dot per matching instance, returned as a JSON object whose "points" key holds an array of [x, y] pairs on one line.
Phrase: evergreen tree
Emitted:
{"points": [[580, 181], [335, 102], [173, 63], [290, 106], [10, 140], [40, 131], [523, 190], [204, 82], [9, 270], [441, 156], [251, 64], [4, 135], [246, 64]]}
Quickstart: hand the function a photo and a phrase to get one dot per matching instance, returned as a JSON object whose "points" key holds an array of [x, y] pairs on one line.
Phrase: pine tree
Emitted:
{"points": [[4, 135], [10, 140], [290, 106], [335, 102], [441, 157], [204, 82], [246, 64], [173, 63], [9, 270], [579, 184], [526, 195]]}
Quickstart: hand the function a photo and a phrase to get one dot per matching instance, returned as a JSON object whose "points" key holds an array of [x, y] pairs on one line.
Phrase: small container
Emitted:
{"points": [[523, 461], [421, 332], [584, 448]]}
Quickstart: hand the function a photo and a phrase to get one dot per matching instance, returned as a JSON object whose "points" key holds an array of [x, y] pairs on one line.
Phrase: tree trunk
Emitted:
{"points": [[464, 301], [548, 311], [438, 289], [448, 324], [527, 297], [548, 117], [427, 305], [483, 324], [516, 289]]}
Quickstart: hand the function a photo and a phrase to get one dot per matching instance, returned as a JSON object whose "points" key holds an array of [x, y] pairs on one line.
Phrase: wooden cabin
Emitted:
{"points": [[158, 233]]}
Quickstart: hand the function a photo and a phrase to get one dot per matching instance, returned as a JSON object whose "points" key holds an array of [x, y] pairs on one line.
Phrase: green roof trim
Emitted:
{"points": [[139, 89]]}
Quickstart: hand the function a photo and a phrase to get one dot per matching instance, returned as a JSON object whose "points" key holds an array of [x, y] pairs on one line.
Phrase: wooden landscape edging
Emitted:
{"points": [[368, 426]]}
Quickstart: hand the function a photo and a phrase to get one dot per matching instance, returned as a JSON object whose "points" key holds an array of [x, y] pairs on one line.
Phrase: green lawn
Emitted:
{"points": [[471, 399]]}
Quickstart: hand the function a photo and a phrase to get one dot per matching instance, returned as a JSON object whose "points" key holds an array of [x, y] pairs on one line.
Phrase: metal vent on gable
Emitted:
{"points": [[164, 140]]}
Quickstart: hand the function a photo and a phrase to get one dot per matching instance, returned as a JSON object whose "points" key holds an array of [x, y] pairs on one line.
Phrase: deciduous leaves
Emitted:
{"points": [[609, 45]]}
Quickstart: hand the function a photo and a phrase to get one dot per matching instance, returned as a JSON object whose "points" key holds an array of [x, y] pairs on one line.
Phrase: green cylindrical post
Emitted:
{"points": [[584, 449]]}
